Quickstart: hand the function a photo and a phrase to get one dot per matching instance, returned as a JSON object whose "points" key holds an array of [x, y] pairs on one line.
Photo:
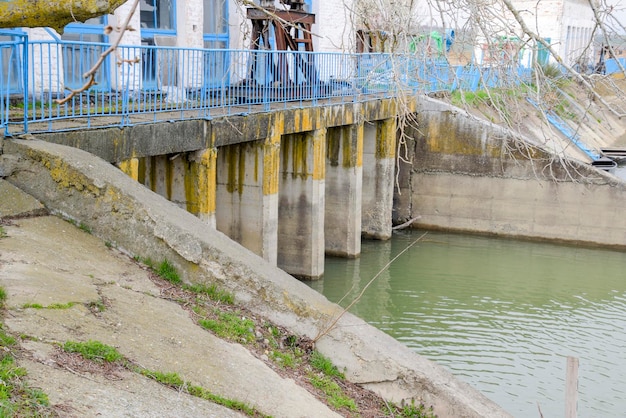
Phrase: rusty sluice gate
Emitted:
{"points": [[280, 75]]}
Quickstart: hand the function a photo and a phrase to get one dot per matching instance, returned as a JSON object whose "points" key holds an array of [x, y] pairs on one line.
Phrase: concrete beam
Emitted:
{"points": [[301, 207], [379, 150], [344, 176]]}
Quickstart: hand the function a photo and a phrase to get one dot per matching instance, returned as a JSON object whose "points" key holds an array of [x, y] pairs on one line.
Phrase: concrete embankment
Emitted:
{"points": [[472, 176], [126, 215]]}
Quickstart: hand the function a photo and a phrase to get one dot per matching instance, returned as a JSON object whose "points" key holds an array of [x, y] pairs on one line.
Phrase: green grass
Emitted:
{"points": [[3, 296], [17, 398], [230, 325], [287, 359], [94, 350], [324, 365], [411, 410], [469, 98], [97, 306], [84, 227], [174, 381], [52, 306], [334, 395], [99, 352], [212, 292], [167, 271], [3, 233]]}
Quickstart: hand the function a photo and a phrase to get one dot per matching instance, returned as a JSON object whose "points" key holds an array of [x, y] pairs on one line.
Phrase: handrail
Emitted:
{"points": [[145, 83]]}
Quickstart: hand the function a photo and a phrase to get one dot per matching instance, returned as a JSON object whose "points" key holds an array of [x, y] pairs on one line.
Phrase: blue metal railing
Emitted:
{"points": [[142, 84]]}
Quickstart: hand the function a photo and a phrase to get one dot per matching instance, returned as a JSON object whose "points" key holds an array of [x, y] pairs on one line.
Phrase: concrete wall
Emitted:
{"points": [[474, 177]]}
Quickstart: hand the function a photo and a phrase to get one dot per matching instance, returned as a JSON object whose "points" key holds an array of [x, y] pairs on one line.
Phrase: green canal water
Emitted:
{"points": [[501, 315]]}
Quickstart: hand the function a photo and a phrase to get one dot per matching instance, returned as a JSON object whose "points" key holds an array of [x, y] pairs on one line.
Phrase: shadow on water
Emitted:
{"points": [[502, 315]]}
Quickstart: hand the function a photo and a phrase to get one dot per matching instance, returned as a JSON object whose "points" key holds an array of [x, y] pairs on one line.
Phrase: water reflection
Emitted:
{"points": [[502, 315]]}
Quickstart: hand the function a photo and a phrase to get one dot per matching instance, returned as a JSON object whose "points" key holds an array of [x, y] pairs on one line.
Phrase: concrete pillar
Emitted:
{"points": [[247, 192], [301, 204], [200, 184], [344, 160], [379, 145]]}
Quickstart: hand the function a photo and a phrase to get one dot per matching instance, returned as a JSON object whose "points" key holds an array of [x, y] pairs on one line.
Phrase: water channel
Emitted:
{"points": [[502, 315]]}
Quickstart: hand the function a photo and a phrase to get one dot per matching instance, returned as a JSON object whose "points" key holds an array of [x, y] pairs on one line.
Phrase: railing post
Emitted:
{"points": [[25, 59]]}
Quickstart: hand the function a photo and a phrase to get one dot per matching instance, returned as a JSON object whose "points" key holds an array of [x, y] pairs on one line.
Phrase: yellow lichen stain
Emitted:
{"points": [[271, 167], [131, 168], [276, 128], [446, 139], [209, 160], [67, 177], [304, 119], [352, 146], [386, 139], [299, 156], [319, 152]]}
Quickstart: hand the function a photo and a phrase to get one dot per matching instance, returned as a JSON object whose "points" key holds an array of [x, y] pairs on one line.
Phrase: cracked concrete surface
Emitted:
{"points": [[47, 261]]}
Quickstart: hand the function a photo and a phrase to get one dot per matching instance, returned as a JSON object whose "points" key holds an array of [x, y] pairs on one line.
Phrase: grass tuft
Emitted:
{"points": [[411, 410], [212, 292], [230, 325], [168, 272], [334, 395], [17, 398], [324, 365], [94, 350]]}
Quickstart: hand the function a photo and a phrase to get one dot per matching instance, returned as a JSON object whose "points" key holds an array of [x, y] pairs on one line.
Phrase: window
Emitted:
{"points": [[215, 28], [157, 14]]}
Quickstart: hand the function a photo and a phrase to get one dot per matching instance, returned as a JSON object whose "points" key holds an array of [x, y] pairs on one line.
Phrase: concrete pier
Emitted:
{"points": [[379, 151], [247, 192], [301, 204], [344, 177]]}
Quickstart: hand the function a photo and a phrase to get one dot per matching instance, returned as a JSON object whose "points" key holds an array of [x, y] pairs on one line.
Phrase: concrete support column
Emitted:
{"points": [[344, 160], [301, 209], [247, 192], [200, 184], [379, 145]]}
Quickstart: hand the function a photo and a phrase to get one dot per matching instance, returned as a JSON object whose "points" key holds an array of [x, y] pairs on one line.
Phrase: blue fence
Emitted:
{"points": [[143, 84]]}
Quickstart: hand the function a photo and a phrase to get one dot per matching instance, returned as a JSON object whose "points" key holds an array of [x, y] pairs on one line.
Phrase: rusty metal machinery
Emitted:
{"points": [[292, 28], [274, 72]]}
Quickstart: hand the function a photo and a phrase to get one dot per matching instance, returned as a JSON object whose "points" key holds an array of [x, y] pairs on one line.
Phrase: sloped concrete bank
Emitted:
{"points": [[119, 211]]}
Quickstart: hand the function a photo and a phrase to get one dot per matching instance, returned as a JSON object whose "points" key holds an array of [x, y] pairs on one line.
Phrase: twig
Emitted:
{"points": [[334, 322], [90, 75], [406, 224]]}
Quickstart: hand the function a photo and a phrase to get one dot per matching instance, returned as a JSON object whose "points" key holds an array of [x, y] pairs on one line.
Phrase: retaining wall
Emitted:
{"points": [[470, 176]]}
